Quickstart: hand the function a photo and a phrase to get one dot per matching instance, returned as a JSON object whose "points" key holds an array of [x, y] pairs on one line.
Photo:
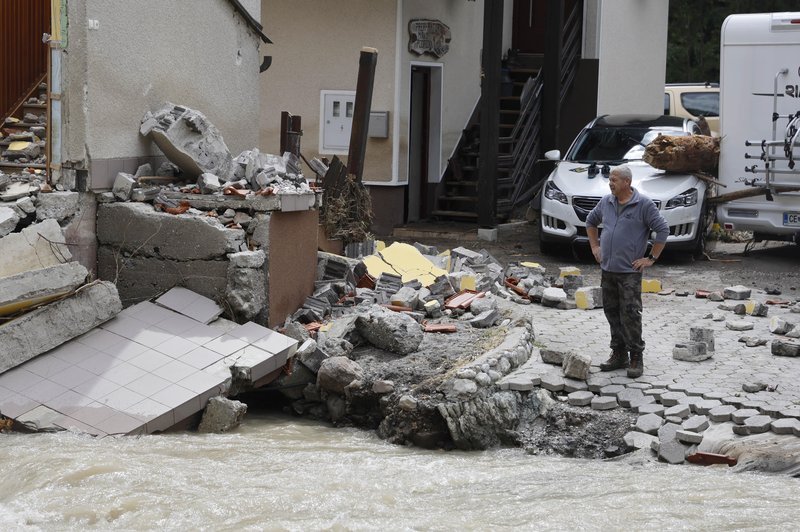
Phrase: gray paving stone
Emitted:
{"points": [[652, 408], [662, 383], [721, 413], [704, 407], [696, 391], [691, 402], [741, 415], [655, 392], [679, 411], [639, 440], [574, 385], [678, 387], [604, 402], [714, 395], [739, 325], [554, 383], [696, 424], [741, 430], [673, 451], [785, 348], [649, 423], [673, 419], [643, 400], [597, 383], [621, 380], [753, 404], [773, 410], [790, 413], [580, 398], [518, 383], [667, 431], [758, 424], [627, 396], [737, 292], [612, 389], [640, 385], [672, 398], [733, 400], [687, 436], [785, 426]]}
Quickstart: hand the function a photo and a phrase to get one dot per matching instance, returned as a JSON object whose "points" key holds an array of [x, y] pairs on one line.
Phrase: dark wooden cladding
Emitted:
{"points": [[23, 55]]}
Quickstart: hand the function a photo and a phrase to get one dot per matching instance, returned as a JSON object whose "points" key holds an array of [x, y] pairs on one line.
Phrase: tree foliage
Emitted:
{"points": [[694, 34]]}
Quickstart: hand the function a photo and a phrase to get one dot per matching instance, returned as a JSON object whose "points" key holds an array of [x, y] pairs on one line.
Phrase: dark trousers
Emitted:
{"points": [[622, 304]]}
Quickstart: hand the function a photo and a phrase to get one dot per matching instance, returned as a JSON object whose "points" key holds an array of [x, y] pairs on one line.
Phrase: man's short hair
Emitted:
{"points": [[623, 171]]}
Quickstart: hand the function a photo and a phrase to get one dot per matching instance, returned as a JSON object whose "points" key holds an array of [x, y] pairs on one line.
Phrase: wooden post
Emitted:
{"points": [[291, 131], [551, 92], [490, 112], [363, 105]]}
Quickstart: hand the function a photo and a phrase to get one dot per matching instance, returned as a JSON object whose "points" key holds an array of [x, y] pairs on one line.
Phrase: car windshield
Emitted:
{"points": [[614, 144]]}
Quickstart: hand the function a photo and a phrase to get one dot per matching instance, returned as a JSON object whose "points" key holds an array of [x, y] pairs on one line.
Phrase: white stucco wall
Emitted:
{"points": [[632, 51], [144, 53], [317, 47]]}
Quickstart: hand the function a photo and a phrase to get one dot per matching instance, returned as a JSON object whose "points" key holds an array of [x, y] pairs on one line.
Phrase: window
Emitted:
{"points": [[701, 103]]}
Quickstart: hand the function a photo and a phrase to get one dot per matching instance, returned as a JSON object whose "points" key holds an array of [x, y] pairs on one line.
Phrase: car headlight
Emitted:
{"points": [[685, 199], [551, 191]]}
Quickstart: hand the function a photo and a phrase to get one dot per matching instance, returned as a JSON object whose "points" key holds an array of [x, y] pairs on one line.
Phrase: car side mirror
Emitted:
{"points": [[553, 155]]}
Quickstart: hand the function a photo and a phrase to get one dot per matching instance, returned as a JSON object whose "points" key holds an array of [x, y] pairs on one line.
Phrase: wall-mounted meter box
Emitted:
{"points": [[378, 124]]}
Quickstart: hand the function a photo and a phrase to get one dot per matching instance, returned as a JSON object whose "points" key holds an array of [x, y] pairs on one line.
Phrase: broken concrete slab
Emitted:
{"points": [[57, 205], [393, 331], [37, 246], [35, 287], [576, 366], [8, 220], [737, 292], [123, 186], [189, 140], [47, 327], [336, 373], [785, 348], [690, 351], [222, 415]]}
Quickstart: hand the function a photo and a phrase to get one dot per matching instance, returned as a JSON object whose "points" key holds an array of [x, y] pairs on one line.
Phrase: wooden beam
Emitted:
{"points": [[490, 112], [363, 105], [551, 92]]}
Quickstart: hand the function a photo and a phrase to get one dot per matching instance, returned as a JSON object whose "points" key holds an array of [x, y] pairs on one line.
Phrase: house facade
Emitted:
{"points": [[428, 79]]}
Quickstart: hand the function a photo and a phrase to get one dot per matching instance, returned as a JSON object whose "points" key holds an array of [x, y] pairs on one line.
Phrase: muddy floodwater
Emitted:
{"points": [[278, 473]]}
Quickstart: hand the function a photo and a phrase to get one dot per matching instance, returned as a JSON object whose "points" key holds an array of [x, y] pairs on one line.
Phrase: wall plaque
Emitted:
{"points": [[428, 37]]}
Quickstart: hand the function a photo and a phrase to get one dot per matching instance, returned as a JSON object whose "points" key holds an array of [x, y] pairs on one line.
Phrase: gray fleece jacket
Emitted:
{"points": [[624, 236]]}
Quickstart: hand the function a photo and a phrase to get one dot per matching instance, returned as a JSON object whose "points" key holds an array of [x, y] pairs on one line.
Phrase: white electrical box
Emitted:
{"points": [[336, 120]]}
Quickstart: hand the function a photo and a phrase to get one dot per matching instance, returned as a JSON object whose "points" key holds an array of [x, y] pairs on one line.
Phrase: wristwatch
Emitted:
{"points": [[651, 257]]}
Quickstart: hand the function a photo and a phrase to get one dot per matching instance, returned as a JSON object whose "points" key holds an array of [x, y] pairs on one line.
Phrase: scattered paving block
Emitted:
{"points": [[687, 436], [612, 390], [754, 387], [786, 348], [640, 385], [574, 385], [738, 292], [673, 419], [652, 408], [649, 423], [576, 366], [691, 351], [758, 424], [568, 270], [696, 392], [740, 430], [734, 400], [759, 310], [715, 395], [639, 440], [677, 387], [589, 297], [696, 424], [741, 415], [519, 383], [704, 407], [702, 334], [790, 412], [554, 383], [667, 431], [785, 426], [691, 402], [679, 411], [551, 356], [604, 402], [597, 383], [671, 398], [753, 341], [721, 413], [673, 451], [655, 393], [778, 325], [641, 401], [552, 297], [627, 396], [739, 325], [651, 286], [580, 398], [772, 409]]}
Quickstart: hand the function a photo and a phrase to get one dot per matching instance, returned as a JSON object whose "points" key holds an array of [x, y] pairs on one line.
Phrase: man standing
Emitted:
{"points": [[627, 218]]}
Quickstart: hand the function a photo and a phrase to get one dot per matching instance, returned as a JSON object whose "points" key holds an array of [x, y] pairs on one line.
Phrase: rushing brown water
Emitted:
{"points": [[278, 473]]}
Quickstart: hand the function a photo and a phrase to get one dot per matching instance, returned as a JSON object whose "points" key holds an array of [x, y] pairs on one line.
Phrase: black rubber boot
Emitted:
{"points": [[617, 360], [637, 366]]}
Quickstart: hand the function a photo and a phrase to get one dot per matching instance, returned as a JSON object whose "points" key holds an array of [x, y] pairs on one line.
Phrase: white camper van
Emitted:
{"points": [[759, 80]]}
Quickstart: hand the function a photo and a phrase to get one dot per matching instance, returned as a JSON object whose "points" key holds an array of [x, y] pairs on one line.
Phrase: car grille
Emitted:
{"points": [[583, 205]]}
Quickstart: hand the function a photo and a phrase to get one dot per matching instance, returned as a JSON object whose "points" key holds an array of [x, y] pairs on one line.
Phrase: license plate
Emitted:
{"points": [[791, 218]]}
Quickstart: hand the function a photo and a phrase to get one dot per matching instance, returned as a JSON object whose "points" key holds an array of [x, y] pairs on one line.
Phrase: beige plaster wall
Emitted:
{"points": [[316, 47], [633, 56], [147, 52]]}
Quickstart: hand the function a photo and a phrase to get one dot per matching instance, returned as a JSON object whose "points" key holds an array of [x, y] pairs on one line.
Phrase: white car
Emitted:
{"points": [[579, 181]]}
